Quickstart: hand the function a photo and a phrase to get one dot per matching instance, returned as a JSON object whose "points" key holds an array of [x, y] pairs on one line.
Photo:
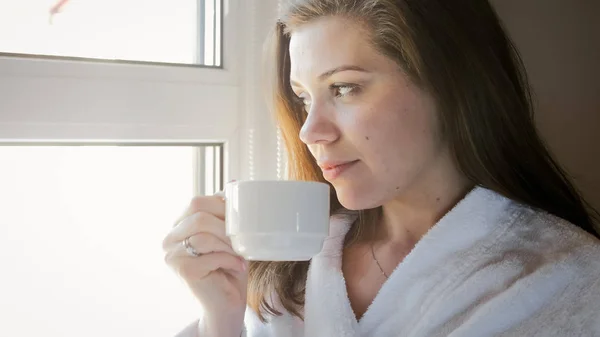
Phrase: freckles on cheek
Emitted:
{"points": [[367, 124]]}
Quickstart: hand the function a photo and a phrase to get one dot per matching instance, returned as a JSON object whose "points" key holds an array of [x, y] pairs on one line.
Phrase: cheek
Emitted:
{"points": [[312, 148], [395, 130]]}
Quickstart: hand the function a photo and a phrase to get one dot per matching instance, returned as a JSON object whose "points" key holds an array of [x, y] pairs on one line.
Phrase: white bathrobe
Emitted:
{"points": [[489, 267]]}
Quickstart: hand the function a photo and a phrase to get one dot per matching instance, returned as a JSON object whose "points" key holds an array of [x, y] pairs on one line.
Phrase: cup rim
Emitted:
{"points": [[252, 182], [290, 233]]}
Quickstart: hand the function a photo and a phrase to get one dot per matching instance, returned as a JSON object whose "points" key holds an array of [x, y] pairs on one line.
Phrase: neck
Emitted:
{"points": [[408, 217]]}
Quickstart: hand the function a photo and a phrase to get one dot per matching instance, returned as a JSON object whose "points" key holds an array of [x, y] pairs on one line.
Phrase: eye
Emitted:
{"points": [[344, 89], [305, 102]]}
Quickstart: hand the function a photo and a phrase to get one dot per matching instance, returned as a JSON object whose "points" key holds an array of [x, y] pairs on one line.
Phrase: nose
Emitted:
{"points": [[319, 126]]}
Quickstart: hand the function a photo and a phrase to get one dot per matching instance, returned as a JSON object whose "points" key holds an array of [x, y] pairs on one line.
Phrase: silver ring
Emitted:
{"points": [[189, 249]]}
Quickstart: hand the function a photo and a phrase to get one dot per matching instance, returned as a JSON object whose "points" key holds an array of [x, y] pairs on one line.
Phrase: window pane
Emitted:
{"points": [[183, 31], [80, 240]]}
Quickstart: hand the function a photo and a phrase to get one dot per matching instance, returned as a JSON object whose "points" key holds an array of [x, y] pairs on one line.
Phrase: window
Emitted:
{"points": [[90, 147], [187, 31], [80, 237]]}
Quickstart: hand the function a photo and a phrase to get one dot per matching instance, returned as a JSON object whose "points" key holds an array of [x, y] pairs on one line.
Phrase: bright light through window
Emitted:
{"points": [[80, 240], [183, 31]]}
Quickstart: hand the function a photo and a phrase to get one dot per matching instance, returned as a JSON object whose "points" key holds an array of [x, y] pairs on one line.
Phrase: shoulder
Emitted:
{"points": [[547, 276], [541, 241], [551, 238]]}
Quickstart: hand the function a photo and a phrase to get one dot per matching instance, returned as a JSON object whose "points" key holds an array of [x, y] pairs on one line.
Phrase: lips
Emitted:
{"points": [[333, 169]]}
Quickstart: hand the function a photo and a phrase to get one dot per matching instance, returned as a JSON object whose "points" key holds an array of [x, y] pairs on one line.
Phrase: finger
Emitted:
{"points": [[196, 223], [180, 253], [214, 204], [196, 268], [204, 243]]}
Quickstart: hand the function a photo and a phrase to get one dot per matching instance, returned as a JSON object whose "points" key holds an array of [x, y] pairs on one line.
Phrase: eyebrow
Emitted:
{"points": [[333, 71]]}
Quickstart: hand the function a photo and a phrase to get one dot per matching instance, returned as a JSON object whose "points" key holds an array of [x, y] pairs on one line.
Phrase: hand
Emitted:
{"points": [[218, 277]]}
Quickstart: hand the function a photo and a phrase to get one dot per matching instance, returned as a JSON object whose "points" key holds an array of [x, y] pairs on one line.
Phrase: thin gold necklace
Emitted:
{"points": [[378, 265]]}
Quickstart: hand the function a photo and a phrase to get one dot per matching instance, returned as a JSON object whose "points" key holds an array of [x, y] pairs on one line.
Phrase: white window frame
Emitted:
{"points": [[50, 100]]}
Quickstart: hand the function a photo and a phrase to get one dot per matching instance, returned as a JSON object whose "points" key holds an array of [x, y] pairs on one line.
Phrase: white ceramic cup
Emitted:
{"points": [[277, 220]]}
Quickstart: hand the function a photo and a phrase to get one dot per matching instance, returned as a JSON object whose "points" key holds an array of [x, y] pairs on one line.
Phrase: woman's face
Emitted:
{"points": [[374, 134]]}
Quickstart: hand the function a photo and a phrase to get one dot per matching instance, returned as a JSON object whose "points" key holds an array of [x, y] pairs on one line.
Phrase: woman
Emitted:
{"points": [[450, 217]]}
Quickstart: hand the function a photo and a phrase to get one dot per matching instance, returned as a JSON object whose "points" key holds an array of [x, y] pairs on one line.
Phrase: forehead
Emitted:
{"points": [[327, 43]]}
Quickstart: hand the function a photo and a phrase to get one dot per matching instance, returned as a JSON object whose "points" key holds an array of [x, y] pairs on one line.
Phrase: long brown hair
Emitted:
{"points": [[458, 51]]}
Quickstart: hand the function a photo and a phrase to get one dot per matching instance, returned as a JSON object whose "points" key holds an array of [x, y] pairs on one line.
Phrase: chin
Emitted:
{"points": [[355, 199]]}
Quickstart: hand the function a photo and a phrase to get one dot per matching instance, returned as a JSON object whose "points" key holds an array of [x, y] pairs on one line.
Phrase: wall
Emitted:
{"points": [[559, 41]]}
